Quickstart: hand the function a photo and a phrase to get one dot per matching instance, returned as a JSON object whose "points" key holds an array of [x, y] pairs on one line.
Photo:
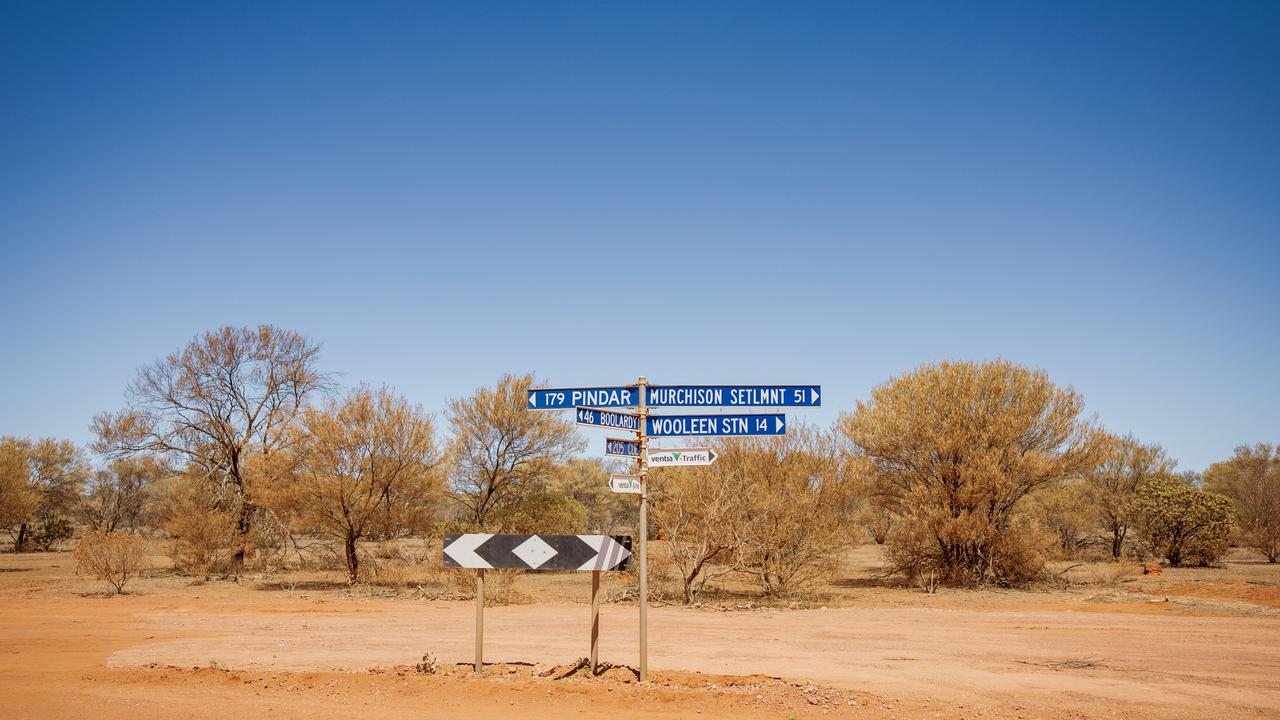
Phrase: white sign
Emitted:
{"points": [[625, 484], [677, 457]]}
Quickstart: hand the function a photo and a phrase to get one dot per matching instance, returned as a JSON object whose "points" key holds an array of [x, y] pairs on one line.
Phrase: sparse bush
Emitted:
{"points": [[1181, 523], [501, 587], [112, 557], [800, 502], [705, 517]]}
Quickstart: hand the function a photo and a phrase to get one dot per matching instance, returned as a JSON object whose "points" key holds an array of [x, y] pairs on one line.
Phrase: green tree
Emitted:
{"points": [[1181, 523]]}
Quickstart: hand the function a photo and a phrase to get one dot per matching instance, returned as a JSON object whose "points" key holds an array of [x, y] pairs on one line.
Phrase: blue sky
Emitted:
{"points": [[698, 192]]}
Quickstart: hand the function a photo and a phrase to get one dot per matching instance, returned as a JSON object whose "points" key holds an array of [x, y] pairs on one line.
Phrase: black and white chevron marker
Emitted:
{"points": [[538, 552]]}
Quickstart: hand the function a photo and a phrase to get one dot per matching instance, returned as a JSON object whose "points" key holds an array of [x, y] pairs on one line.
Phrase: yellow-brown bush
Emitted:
{"points": [[953, 450], [112, 557]]}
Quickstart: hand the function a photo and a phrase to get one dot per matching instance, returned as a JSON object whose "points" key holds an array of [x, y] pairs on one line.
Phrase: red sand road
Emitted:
{"points": [[1182, 665], [62, 656]]}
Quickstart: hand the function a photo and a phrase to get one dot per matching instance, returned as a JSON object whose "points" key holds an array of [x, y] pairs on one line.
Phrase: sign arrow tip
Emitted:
{"points": [[779, 422]]}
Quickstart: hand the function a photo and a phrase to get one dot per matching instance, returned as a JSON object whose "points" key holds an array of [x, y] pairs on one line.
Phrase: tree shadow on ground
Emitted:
{"points": [[875, 581], [277, 585]]}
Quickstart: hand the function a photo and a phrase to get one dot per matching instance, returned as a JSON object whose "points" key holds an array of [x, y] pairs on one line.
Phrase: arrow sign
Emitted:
{"points": [[566, 398], [538, 552], [734, 395], [622, 448], [681, 457], [716, 425], [625, 484], [608, 419]]}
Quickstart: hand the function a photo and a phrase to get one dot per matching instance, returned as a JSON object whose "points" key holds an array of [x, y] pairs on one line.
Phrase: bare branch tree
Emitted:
{"points": [[228, 393]]}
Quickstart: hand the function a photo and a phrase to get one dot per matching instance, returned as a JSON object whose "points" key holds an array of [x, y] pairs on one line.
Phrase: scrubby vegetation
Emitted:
{"points": [[235, 453]]}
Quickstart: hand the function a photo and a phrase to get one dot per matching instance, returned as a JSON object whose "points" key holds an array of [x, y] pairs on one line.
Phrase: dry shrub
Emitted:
{"points": [[877, 521], [968, 549], [501, 587], [203, 533], [111, 557], [392, 574], [388, 550], [954, 450], [1109, 575], [1252, 479], [320, 554]]}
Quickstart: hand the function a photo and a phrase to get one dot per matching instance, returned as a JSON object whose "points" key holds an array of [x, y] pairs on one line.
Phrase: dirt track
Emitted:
{"points": [[1000, 663], [1191, 643]]}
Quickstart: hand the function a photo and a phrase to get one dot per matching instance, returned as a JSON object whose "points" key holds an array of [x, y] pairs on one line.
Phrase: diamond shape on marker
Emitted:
{"points": [[534, 552]]}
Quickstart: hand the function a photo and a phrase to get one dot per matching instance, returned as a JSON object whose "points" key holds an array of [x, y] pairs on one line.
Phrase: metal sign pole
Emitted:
{"points": [[480, 620], [641, 383], [595, 621]]}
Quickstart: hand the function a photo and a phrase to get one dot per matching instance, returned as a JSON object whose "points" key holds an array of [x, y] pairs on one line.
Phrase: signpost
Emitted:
{"points": [[625, 484], [625, 396], [622, 448], [566, 398], [716, 425], [681, 457], [596, 407], [593, 553], [607, 419], [734, 396]]}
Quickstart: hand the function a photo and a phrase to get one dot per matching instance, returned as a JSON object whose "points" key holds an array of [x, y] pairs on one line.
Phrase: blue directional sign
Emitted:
{"points": [[608, 419], [734, 395], [568, 398], [709, 425], [623, 448]]}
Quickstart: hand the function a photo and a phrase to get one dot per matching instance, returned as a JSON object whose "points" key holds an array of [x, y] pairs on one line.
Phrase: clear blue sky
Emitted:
{"points": [[737, 192]]}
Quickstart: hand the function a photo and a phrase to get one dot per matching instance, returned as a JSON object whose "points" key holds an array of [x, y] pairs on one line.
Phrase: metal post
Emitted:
{"points": [[595, 621], [641, 383], [480, 620]]}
